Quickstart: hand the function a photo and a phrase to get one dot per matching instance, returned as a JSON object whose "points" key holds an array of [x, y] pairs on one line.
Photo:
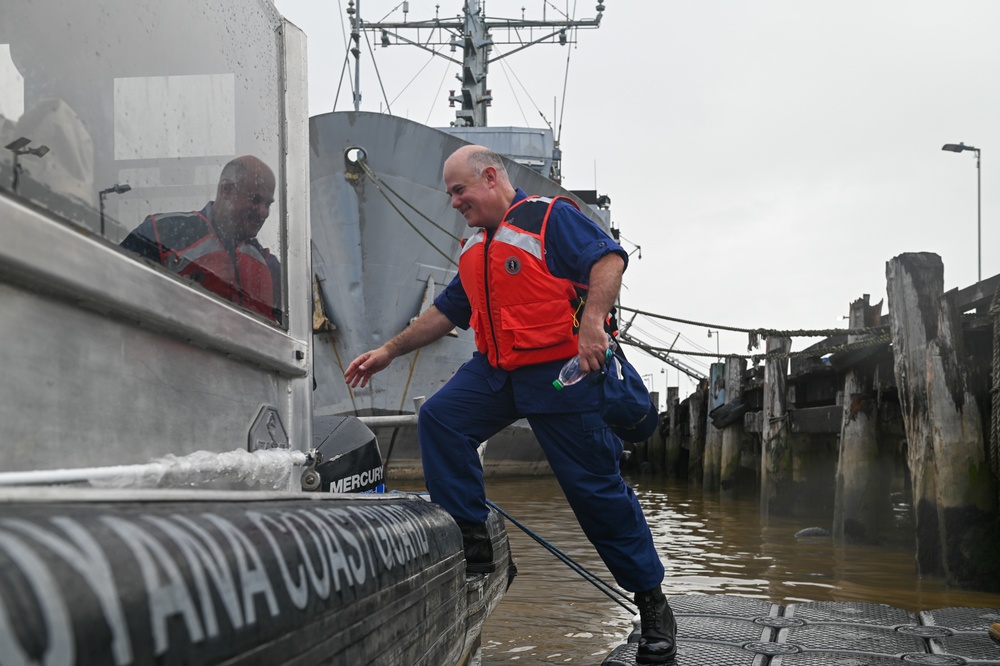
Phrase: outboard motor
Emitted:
{"points": [[346, 457]]}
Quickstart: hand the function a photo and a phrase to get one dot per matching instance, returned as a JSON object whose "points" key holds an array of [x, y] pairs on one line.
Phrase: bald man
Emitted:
{"points": [[217, 246], [524, 277]]}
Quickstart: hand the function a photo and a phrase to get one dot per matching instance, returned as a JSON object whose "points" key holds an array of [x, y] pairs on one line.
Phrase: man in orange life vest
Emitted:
{"points": [[217, 246], [520, 275]]}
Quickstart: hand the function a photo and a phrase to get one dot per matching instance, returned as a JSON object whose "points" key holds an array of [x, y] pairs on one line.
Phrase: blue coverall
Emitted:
{"points": [[480, 400]]}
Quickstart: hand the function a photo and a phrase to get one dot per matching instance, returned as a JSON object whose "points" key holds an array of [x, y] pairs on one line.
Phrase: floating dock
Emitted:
{"points": [[723, 630]]}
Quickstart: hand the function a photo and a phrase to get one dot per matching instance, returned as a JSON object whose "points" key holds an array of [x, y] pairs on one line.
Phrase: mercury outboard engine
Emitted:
{"points": [[346, 457]]}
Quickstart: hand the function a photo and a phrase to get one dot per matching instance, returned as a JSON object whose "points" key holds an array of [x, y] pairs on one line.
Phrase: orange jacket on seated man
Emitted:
{"points": [[187, 244]]}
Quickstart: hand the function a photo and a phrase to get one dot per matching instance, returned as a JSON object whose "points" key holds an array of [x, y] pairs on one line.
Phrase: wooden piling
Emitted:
{"points": [[673, 439], [953, 495], [713, 435], [776, 452], [729, 465], [860, 501], [994, 438], [656, 448], [696, 446]]}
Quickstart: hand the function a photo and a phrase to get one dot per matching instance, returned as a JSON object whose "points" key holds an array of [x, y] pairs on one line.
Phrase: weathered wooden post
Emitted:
{"points": [[639, 460], [994, 448], [861, 499], [953, 496], [696, 421], [673, 442], [776, 450], [731, 434], [656, 444], [713, 435]]}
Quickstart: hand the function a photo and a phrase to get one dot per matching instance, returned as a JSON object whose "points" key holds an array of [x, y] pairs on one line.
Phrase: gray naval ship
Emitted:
{"points": [[386, 240]]}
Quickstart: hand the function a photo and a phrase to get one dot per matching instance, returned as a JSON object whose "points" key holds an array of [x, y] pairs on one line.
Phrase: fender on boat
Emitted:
{"points": [[199, 577]]}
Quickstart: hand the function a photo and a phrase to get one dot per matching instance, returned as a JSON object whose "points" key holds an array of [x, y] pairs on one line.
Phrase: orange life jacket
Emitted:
{"points": [[242, 276], [521, 313]]}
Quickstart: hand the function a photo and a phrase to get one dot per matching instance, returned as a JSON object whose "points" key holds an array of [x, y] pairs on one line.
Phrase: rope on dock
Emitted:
{"points": [[995, 391], [807, 353], [756, 334], [379, 185], [875, 340], [612, 592]]}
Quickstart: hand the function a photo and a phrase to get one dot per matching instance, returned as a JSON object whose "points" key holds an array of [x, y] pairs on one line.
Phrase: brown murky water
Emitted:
{"points": [[552, 616]]}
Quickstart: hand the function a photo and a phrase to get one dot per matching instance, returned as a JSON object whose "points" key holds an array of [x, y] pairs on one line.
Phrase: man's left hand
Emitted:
{"points": [[593, 344]]}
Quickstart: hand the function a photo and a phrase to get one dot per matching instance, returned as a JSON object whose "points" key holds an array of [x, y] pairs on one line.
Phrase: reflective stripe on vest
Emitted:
{"points": [[469, 243], [517, 238]]}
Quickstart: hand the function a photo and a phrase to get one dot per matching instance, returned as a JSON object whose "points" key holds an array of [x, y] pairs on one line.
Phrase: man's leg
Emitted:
{"points": [[452, 424], [584, 455]]}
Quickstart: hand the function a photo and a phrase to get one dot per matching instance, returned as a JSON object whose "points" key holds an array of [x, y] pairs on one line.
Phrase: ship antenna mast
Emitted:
{"points": [[355, 15], [473, 32]]}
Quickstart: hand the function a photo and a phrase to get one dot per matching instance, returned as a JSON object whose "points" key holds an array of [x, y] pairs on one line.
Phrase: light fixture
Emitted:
{"points": [[717, 353], [116, 189], [958, 148], [20, 147]]}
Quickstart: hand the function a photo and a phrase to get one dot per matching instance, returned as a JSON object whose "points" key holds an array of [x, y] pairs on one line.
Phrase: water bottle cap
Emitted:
{"points": [[558, 384]]}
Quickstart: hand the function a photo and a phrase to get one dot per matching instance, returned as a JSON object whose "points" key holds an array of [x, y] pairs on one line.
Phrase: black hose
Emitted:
{"points": [[612, 592]]}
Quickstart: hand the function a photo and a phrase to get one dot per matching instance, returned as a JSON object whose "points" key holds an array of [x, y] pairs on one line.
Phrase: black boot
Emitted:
{"points": [[478, 548], [658, 644]]}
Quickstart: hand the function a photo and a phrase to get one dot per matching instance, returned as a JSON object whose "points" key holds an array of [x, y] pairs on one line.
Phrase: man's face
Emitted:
{"points": [[471, 194], [246, 205]]}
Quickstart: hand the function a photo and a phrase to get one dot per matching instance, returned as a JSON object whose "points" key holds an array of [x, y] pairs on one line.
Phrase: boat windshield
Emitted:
{"points": [[121, 118]]}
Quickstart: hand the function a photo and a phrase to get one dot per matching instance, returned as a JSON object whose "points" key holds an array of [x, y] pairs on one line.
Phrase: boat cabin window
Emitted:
{"points": [[157, 126]]}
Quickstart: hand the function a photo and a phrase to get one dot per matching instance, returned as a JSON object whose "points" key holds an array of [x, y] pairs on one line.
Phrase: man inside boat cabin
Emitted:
{"points": [[523, 276], [217, 246]]}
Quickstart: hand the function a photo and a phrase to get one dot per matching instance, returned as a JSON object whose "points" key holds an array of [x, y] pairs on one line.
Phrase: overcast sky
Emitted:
{"points": [[769, 157]]}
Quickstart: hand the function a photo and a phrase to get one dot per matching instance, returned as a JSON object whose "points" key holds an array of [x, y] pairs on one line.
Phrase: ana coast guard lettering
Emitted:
{"points": [[124, 586]]}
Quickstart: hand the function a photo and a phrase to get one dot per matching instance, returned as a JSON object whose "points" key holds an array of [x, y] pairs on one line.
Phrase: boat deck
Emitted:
{"points": [[725, 630]]}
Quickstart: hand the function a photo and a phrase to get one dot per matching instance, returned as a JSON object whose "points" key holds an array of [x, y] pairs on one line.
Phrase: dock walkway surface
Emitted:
{"points": [[728, 630]]}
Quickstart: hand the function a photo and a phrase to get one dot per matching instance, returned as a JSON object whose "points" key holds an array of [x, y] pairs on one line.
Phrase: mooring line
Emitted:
{"points": [[754, 335], [610, 591], [767, 332], [379, 185]]}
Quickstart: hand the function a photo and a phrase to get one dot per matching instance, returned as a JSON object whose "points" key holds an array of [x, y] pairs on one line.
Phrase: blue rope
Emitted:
{"points": [[610, 591]]}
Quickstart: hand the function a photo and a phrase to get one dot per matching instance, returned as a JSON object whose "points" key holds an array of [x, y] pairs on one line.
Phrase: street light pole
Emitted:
{"points": [[650, 375], [717, 354], [20, 147], [117, 189], [957, 148]]}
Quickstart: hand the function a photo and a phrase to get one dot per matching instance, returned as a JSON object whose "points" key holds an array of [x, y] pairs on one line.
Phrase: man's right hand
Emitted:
{"points": [[363, 367], [428, 327]]}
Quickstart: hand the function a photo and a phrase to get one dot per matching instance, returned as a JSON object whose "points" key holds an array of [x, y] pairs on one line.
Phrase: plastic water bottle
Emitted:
{"points": [[571, 372]]}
